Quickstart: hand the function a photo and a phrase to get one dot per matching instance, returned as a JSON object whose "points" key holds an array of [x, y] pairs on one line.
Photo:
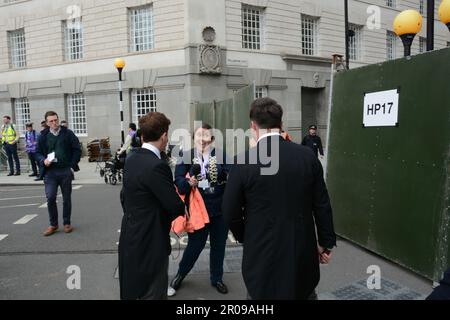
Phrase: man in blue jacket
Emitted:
{"points": [[59, 151]]}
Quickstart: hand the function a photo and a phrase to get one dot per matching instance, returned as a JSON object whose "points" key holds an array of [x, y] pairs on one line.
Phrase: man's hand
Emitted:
{"points": [[47, 163], [324, 255], [193, 182]]}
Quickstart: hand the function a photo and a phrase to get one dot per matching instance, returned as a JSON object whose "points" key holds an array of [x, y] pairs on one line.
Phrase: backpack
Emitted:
{"points": [[136, 141]]}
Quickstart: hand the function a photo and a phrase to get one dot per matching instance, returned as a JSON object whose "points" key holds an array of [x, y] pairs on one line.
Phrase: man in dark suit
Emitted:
{"points": [[273, 208], [150, 203]]}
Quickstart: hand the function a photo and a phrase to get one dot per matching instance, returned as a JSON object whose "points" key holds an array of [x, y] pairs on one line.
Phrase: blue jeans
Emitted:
{"points": [[11, 152], [196, 242], [53, 179]]}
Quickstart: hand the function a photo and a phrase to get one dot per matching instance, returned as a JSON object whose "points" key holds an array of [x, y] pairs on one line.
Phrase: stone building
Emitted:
{"points": [[58, 55]]}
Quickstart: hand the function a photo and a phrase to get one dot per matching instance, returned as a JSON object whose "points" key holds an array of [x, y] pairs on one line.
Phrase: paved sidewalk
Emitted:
{"points": [[87, 175]]}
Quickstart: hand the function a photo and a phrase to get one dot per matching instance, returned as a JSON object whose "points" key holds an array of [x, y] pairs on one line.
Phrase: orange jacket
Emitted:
{"points": [[197, 217]]}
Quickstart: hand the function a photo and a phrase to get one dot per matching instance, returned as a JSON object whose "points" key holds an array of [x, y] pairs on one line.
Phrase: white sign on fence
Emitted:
{"points": [[381, 108]]}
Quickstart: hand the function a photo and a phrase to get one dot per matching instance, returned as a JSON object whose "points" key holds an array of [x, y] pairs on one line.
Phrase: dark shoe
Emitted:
{"points": [[68, 228], [50, 230], [38, 179], [176, 282], [221, 287], [10, 174], [33, 175], [17, 173]]}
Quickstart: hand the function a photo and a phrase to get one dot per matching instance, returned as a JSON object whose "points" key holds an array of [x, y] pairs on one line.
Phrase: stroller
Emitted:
{"points": [[113, 170]]}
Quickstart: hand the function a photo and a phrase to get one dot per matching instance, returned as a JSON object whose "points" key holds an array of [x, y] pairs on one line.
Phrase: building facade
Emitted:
{"points": [[59, 55]]}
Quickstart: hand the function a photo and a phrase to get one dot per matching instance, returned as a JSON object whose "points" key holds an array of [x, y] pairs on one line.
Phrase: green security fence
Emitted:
{"points": [[389, 185], [232, 113]]}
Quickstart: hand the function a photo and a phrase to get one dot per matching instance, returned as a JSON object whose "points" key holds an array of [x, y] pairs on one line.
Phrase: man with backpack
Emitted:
{"points": [[31, 139], [131, 141], [10, 138]]}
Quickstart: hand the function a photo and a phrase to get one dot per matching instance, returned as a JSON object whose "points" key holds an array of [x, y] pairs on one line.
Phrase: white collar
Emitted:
{"points": [[268, 135], [152, 148]]}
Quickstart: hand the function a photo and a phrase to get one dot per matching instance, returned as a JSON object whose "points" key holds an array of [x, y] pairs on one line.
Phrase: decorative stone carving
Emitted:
{"points": [[210, 60], [316, 78], [209, 34]]}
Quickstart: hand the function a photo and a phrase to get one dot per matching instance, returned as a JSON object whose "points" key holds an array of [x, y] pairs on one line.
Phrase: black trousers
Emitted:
{"points": [[11, 152], [158, 287]]}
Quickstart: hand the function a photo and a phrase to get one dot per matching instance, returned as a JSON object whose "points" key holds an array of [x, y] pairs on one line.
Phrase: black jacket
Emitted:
{"points": [[442, 292], [275, 217], [314, 142], [71, 145], [149, 203]]}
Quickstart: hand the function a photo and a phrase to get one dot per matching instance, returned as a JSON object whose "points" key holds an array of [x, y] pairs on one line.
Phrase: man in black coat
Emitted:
{"points": [[313, 141], [150, 203], [273, 208]]}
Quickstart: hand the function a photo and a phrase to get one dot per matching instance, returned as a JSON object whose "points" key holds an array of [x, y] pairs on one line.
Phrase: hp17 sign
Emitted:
{"points": [[381, 109]]}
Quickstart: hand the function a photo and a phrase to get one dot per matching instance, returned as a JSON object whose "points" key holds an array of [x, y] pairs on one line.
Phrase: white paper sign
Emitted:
{"points": [[381, 108], [51, 157]]}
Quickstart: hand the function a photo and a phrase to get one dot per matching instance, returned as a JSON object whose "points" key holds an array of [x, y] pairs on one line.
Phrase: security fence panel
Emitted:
{"points": [[388, 161]]}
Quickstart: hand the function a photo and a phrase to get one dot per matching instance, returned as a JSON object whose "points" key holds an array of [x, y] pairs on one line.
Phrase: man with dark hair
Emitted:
{"points": [[313, 141], [275, 215], [130, 141], [150, 203], [59, 151], [10, 138]]}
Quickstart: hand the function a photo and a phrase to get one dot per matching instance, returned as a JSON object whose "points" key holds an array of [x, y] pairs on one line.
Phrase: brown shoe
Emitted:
{"points": [[50, 230], [68, 228]]}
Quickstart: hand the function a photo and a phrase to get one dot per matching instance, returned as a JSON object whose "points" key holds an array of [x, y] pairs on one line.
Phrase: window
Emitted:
{"points": [[22, 114], [18, 56], [76, 104], [260, 92], [141, 28], [355, 42], [422, 44], [391, 45], [391, 3], [421, 7], [309, 35], [73, 40], [252, 27], [144, 101]]}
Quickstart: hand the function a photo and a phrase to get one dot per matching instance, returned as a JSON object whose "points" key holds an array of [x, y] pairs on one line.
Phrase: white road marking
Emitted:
{"points": [[26, 219], [3, 236], [44, 205], [20, 205], [15, 190], [19, 198], [118, 230], [77, 187], [117, 243]]}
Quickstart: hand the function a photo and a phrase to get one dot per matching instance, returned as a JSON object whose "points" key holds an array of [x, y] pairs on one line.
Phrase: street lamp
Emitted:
{"points": [[406, 25], [444, 13], [120, 64]]}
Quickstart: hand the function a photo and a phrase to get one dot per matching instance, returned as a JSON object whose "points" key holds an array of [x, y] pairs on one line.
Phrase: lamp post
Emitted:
{"points": [[406, 25], [444, 13], [430, 25], [120, 64]]}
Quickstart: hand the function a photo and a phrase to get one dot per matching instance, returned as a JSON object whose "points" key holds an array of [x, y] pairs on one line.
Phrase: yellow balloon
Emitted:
{"points": [[408, 22], [119, 63], [444, 12]]}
